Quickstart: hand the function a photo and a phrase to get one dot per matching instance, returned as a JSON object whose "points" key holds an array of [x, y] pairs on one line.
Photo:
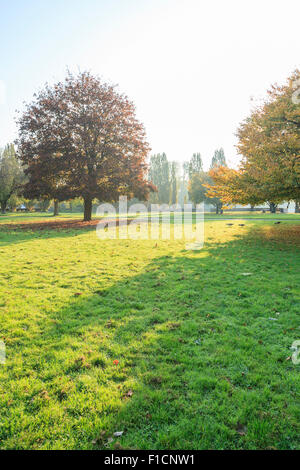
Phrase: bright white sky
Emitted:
{"points": [[190, 66]]}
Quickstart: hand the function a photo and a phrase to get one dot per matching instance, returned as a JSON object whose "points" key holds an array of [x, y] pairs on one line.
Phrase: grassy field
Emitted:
{"points": [[178, 349], [15, 218]]}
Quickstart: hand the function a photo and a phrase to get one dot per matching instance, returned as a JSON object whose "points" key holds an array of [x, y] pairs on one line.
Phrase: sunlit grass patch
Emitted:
{"points": [[178, 349]]}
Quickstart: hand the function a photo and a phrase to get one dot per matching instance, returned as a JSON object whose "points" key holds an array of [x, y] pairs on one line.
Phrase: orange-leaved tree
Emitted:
{"points": [[269, 142]]}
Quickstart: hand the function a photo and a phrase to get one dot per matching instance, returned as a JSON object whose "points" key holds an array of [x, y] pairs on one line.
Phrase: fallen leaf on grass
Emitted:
{"points": [[44, 394], [128, 394], [241, 429], [99, 440], [80, 362], [117, 446], [109, 441]]}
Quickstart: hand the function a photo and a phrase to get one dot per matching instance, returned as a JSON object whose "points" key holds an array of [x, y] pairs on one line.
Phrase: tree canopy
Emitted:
{"points": [[195, 165], [80, 138], [159, 175], [218, 159], [269, 142], [11, 175], [201, 182]]}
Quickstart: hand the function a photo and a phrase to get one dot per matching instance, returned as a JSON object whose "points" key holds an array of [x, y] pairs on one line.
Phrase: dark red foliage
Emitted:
{"points": [[80, 138]]}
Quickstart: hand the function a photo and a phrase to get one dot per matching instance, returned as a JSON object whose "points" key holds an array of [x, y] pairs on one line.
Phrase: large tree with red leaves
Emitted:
{"points": [[80, 138]]}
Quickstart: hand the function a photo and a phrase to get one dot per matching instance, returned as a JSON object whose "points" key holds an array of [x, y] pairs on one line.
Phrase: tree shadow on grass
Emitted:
{"points": [[19, 232], [16, 235], [11, 234], [200, 364]]}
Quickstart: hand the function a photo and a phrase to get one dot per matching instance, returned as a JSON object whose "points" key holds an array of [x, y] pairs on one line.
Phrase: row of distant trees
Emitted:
{"points": [[12, 181], [174, 183], [199, 181], [177, 184]]}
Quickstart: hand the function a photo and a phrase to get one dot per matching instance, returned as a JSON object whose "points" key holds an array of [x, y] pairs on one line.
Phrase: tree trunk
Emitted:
{"points": [[273, 208], [219, 208], [297, 207], [56, 208], [88, 209], [3, 207]]}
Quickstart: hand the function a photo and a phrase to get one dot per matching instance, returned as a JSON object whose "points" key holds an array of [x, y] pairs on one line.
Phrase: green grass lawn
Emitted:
{"points": [[203, 349], [16, 218]]}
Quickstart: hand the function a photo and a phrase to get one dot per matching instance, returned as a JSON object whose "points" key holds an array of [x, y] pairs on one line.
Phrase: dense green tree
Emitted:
{"points": [[198, 190], [182, 184], [173, 182], [218, 159], [195, 165], [11, 175], [44, 204], [159, 175], [14, 201], [30, 204], [185, 170]]}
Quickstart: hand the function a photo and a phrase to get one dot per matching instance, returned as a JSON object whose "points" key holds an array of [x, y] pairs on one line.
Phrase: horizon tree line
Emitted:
{"points": [[80, 140], [174, 186]]}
